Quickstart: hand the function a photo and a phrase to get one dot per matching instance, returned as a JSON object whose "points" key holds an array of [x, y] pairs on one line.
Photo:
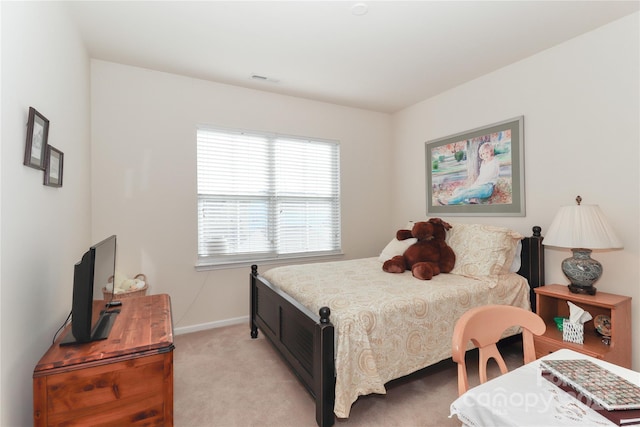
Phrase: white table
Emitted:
{"points": [[523, 398]]}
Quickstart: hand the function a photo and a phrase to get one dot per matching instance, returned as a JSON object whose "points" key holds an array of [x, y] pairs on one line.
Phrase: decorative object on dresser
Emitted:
{"points": [[126, 288], [122, 380], [615, 309], [581, 228]]}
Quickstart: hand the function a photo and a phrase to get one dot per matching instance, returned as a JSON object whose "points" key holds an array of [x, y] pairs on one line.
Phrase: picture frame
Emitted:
{"points": [[53, 167], [37, 137], [464, 179]]}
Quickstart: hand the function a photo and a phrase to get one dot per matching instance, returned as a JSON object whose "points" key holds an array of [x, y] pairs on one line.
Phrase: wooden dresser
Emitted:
{"points": [[126, 379]]}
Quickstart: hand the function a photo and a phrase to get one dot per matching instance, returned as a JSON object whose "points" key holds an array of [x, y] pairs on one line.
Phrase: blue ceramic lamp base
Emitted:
{"points": [[583, 271]]}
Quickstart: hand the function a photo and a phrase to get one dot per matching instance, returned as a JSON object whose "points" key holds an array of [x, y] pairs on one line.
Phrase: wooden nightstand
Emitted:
{"points": [[551, 301]]}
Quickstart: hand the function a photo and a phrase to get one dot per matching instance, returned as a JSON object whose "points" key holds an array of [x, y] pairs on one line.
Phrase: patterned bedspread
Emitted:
{"points": [[389, 325]]}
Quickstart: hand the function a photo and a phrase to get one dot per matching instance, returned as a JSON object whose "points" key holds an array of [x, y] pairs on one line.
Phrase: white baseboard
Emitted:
{"points": [[211, 325]]}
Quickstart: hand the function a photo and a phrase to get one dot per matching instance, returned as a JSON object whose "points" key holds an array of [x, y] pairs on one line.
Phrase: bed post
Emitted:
{"points": [[324, 369], [533, 263], [254, 305]]}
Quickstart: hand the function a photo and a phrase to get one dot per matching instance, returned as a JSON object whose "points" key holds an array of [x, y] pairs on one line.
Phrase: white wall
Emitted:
{"points": [[1, 394], [44, 230], [144, 176], [580, 102]]}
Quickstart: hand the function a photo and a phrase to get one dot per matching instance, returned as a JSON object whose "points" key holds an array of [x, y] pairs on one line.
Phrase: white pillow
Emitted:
{"points": [[395, 247], [482, 250], [410, 224], [517, 260]]}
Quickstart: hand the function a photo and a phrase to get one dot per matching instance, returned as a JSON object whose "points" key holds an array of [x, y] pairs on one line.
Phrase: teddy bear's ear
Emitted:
{"points": [[403, 234], [445, 224]]}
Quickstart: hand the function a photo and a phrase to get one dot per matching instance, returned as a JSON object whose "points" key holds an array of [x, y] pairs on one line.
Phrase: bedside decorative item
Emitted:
{"points": [[573, 332], [603, 325], [581, 228], [573, 327]]}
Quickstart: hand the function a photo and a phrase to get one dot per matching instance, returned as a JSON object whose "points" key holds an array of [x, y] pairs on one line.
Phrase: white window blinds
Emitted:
{"points": [[263, 196]]}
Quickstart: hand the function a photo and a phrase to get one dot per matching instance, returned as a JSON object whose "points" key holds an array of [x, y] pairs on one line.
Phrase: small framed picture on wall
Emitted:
{"points": [[53, 167], [37, 135]]}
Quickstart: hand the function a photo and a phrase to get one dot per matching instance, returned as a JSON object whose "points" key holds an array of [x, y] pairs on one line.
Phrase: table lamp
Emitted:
{"points": [[581, 228]]}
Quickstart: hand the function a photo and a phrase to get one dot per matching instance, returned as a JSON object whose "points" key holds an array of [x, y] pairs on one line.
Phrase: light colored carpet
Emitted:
{"points": [[224, 378]]}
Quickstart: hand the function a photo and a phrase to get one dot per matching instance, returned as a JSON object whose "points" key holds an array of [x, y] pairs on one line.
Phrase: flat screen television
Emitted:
{"points": [[95, 270]]}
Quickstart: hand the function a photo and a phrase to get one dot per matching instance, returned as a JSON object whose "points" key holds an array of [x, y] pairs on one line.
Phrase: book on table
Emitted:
{"points": [[607, 393]]}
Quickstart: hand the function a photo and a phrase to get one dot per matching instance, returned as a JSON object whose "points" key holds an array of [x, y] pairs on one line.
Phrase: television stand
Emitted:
{"points": [[127, 376], [100, 331]]}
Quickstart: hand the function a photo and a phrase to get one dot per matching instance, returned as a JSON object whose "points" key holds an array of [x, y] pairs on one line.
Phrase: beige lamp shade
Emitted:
{"points": [[581, 226]]}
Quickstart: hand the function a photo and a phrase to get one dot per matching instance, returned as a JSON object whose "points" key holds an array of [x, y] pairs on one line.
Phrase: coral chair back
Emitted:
{"points": [[484, 326]]}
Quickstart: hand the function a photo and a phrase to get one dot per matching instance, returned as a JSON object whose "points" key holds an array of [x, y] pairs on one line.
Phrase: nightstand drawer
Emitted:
{"points": [[545, 346]]}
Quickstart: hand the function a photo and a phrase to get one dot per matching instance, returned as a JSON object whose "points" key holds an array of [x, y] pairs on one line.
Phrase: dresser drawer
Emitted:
{"points": [[545, 346], [115, 394]]}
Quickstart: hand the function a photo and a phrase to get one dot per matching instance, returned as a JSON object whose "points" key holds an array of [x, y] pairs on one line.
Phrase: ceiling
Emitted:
{"points": [[394, 55]]}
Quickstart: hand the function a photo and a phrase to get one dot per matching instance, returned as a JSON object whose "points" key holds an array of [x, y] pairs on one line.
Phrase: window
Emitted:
{"points": [[264, 197]]}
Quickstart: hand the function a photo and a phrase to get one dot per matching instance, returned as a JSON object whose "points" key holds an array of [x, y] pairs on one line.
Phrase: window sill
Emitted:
{"points": [[268, 262]]}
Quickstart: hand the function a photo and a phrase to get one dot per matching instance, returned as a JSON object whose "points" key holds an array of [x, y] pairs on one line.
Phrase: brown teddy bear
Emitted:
{"points": [[429, 256]]}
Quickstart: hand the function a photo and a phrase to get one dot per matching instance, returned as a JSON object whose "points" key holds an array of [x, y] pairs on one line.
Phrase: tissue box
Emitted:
{"points": [[572, 332]]}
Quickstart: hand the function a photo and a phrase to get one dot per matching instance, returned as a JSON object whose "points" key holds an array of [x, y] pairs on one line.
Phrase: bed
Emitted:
{"points": [[346, 327]]}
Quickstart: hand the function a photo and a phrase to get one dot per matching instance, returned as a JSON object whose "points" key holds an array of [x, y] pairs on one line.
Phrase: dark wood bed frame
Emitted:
{"points": [[306, 340]]}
